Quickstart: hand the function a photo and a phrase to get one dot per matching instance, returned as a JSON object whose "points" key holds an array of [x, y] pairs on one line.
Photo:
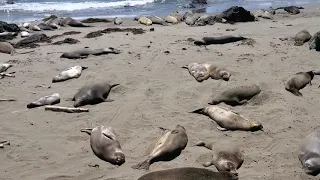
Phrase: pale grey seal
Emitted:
{"points": [[72, 72], [202, 71], [46, 100]]}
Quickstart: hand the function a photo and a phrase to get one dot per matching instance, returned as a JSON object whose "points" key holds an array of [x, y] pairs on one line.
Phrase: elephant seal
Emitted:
{"points": [[219, 40], [191, 18], [291, 9], [117, 21], [157, 20], [227, 159], [168, 146], [171, 19], [177, 16], [46, 100], [93, 94], [44, 26], [299, 81], [6, 48], [24, 34], [302, 37], [85, 52], [236, 96], [105, 145], [188, 173], [145, 21], [309, 153], [72, 72], [71, 22], [203, 71], [4, 67], [228, 119]]}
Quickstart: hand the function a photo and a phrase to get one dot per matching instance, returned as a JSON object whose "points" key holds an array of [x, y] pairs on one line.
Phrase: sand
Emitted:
{"points": [[155, 92]]}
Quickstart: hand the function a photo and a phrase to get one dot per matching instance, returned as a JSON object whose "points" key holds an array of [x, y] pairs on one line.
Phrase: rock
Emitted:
{"points": [[5, 27], [171, 19]]}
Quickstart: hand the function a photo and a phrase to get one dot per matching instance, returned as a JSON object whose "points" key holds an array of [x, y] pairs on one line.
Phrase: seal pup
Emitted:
{"points": [[299, 81], [168, 146], [219, 40], [4, 67], [171, 19], [6, 48], [227, 159], [236, 96], [46, 100], [93, 94], [105, 145], [203, 71], [85, 52], [302, 37], [117, 21], [188, 173], [309, 153], [228, 119], [69, 73], [146, 21]]}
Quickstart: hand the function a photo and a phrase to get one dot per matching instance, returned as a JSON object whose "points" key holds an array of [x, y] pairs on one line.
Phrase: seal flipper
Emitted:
{"points": [[207, 164], [114, 85], [143, 165], [87, 130], [206, 145], [108, 100], [221, 128], [185, 67], [198, 111], [84, 67]]}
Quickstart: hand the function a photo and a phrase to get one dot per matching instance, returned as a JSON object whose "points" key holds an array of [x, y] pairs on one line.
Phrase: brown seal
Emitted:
{"points": [[228, 119], [228, 159], [188, 173], [105, 145], [302, 37], [203, 71], [6, 48], [167, 147], [299, 81]]}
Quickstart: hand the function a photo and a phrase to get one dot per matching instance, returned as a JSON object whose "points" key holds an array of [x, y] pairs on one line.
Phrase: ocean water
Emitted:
{"points": [[28, 10]]}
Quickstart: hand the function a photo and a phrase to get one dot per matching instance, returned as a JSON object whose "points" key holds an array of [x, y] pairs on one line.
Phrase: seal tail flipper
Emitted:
{"points": [[143, 165], [84, 67], [185, 67], [114, 85], [198, 111], [87, 130], [206, 145]]}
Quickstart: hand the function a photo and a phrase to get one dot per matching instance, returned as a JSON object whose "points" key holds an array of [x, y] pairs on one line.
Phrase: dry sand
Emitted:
{"points": [[156, 92]]}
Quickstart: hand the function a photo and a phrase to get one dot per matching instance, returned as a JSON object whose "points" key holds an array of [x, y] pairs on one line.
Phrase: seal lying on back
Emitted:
{"points": [[72, 72], [219, 40], [236, 96], [228, 159], [105, 145], [228, 119], [46, 100], [93, 94], [168, 146], [299, 81], [188, 173], [302, 37], [309, 153], [203, 71], [85, 52], [6, 48]]}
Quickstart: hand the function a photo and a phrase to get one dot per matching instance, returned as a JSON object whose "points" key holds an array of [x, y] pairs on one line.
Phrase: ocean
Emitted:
{"points": [[28, 10]]}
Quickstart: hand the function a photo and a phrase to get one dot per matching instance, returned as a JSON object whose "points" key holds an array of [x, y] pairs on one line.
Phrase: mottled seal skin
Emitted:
{"points": [[236, 96], [84, 52], [72, 72], [105, 145], [203, 71], [302, 37], [219, 40], [6, 48], [167, 147], [228, 159], [188, 173], [299, 81], [228, 119], [309, 153], [93, 94], [46, 100]]}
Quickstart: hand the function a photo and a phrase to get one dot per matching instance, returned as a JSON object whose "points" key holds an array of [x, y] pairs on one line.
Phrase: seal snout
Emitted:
{"points": [[119, 158]]}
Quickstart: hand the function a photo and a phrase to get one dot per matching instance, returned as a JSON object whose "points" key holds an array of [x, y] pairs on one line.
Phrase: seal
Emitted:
{"points": [[105, 145], [168, 147], [145, 21], [71, 22], [72, 72], [46, 100], [191, 18], [44, 26], [4, 67], [314, 42], [93, 94], [228, 159], [177, 16], [299, 81], [188, 173], [302, 37], [309, 153], [219, 40], [228, 119], [117, 21], [171, 19], [236, 96], [85, 52], [6, 48], [24, 34], [203, 71], [157, 20], [291, 9]]}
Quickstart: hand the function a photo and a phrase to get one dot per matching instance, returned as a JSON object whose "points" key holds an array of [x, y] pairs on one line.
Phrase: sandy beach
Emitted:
{"points": [[155, 92]]}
